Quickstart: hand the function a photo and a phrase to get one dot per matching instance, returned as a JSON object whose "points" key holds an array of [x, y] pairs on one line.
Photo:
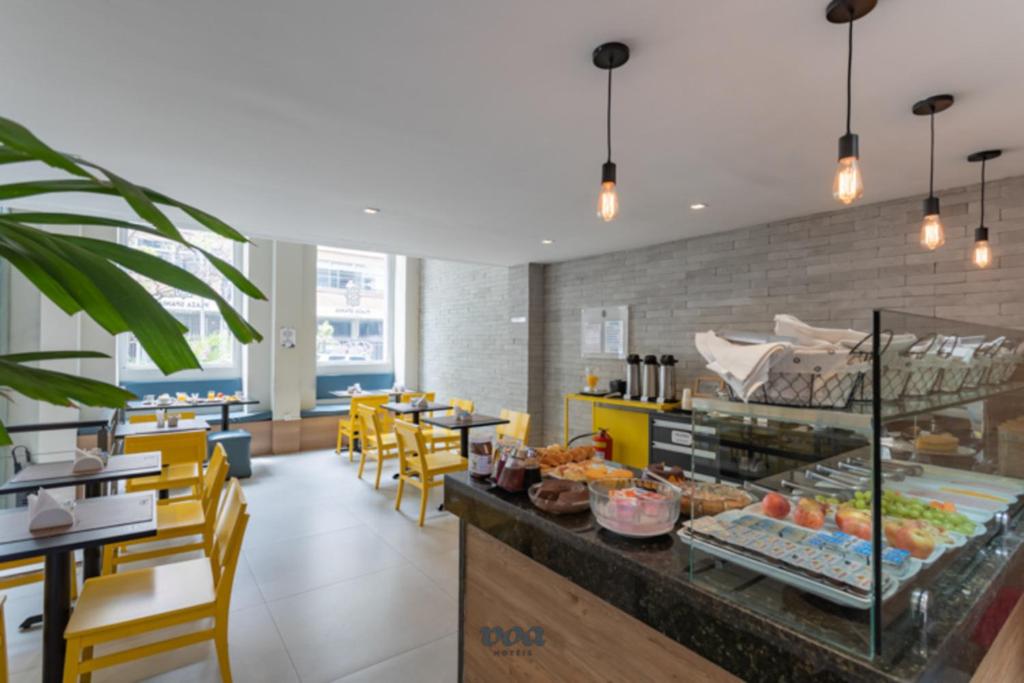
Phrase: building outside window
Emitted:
{"points": [[208, 334], [353, 308]]}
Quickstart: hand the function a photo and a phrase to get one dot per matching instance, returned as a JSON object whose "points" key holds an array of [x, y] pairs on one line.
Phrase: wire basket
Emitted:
{"points": [[980, 365], [896, 371], [1004, 362], [812, 388], [925, 367], [954, 369]]}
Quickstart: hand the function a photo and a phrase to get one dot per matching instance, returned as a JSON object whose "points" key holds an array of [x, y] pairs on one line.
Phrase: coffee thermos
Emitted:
{"points": [[649, 392], [632, 376], [667, 379]]}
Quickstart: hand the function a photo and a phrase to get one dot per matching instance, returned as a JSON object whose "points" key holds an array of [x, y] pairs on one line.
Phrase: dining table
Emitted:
{"points": [[58, 474], [146, 428], [390, 393], [189, 404], [414, 409], [98, 521], [463, 425]]}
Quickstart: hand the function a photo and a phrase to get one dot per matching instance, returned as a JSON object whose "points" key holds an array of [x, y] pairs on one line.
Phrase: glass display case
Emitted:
{"points": [[905, 542]]}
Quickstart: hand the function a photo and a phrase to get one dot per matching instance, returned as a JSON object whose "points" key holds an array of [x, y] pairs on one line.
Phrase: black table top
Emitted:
{"points": [[51, 475], [474, 420], [75, 540], [180, 405], [409, 408]]}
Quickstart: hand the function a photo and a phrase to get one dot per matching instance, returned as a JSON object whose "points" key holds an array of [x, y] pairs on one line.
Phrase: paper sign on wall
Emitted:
{"points": [[604, 332]]}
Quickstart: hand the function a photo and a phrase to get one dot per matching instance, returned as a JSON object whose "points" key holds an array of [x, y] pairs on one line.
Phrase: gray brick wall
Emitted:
{"points": [[829, 269], [469, 348]]}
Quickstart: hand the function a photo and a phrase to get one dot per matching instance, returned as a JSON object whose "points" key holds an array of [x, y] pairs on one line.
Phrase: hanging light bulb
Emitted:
{"points": [[933, 234], [982, 250], [609, 56], [608, 199], [982, 254], [848, 184]]}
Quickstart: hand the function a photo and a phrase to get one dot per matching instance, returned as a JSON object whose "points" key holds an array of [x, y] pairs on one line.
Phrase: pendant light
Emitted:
{"points": [[848, 184], [609, 56], [933, 234], [982, 255]]}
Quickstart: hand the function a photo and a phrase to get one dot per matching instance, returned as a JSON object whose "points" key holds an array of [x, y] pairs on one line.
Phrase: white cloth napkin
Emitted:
{"points": [[808, 335], [744, 367], [46, 512], [355, 389], [87, 462]]}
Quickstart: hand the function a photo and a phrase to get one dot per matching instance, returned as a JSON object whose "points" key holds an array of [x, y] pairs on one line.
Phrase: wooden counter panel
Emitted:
{"points": [[585, 638], [1005, 659]]}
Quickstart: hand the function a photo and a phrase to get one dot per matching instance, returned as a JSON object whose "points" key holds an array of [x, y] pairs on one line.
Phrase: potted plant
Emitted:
{"points": [[94, 277]]}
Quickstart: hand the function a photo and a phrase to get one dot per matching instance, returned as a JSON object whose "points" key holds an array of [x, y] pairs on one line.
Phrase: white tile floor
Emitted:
{"points": [[333, 585]]}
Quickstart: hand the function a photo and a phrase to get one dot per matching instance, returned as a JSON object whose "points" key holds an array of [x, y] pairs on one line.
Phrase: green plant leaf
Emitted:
{"points": [[36, 246], [169, 274], [13, 156], [15, 135], [50, 355], [235, 276], [60, 388], [159, 332], [38, 276], [5, 438], [142, 205]]}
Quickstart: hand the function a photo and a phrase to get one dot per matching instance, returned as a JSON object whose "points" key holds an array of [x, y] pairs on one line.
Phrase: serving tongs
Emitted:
{"points": [[815, 491], [647, 474], [906, 470], [863, 471], [838, 482]]}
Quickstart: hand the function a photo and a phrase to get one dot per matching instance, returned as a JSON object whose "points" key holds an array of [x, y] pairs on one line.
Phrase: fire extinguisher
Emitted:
{"points": [[603, 444]]}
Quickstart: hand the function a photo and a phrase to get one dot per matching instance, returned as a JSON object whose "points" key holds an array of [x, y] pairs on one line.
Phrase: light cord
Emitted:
{"points": [[609, 121], [849, 74]]}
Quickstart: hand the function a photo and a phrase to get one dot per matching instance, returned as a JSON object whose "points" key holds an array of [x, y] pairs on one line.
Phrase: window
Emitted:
{"points": [[208, 335], [353, 308]]}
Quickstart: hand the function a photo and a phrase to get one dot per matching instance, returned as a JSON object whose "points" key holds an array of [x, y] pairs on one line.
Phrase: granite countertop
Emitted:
{"points": [[754, 627]]}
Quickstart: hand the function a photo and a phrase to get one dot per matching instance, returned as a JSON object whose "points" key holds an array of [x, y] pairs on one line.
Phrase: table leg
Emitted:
{"points": [[225, 422], [92, 558], [416, 418], [464, 442], [57, 612]]}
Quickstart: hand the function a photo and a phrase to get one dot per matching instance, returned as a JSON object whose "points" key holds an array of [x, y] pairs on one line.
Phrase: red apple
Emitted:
{"points": [[912, 537], [775, 505], [855, 522], [809, 513]]}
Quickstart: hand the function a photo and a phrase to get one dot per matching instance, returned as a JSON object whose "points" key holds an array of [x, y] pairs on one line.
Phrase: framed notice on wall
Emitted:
{"points": [[604, 332]]}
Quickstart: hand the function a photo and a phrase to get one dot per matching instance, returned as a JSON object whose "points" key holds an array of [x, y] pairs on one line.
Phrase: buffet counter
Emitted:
{"points": [[547, 597]]}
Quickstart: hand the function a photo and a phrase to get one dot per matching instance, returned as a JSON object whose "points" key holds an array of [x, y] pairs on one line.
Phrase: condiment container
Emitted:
{"points": [[481, 457]]}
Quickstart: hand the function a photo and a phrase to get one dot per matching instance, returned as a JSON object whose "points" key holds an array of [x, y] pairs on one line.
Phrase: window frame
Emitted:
{"points": [[235, 370], [328, 369]]}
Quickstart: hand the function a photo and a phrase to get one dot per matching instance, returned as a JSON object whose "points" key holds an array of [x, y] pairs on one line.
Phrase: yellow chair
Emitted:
{"points": [[182, 455], [151, 417], [33, 573], [180, 519], [447, 438], [140, 601], [348, 427], [517, 428], [378, 444], [418, 466]]}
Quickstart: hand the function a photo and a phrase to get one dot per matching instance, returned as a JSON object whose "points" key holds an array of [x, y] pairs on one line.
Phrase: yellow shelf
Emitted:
{"points": [[625, 402], [626, 422]]}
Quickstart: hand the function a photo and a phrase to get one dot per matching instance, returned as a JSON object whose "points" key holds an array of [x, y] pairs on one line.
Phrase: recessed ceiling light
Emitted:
{"points": [[547, 241], [371, 210], [697, 206]]}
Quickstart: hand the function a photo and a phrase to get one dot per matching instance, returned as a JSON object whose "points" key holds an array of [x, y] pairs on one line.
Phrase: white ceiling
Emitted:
{"points": [[477, 126]]}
